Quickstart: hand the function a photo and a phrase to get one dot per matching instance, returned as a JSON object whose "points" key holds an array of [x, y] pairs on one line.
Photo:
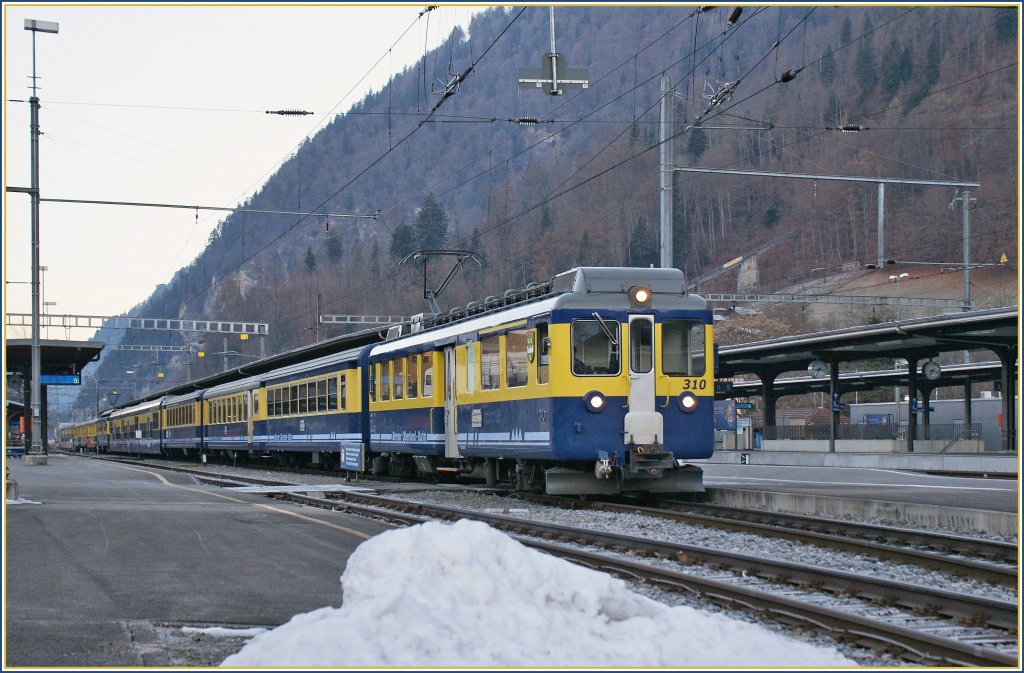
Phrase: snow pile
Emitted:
{"points": [[465, 594]]}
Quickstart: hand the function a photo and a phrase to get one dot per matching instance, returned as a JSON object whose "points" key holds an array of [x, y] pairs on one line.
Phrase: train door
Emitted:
{"points": [[252, 400], [451, 435], [644, 425]]}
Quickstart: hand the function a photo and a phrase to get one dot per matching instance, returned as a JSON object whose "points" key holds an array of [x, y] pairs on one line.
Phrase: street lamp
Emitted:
{"points": [[899, 307], [36, 421], [46, 312], [134, 379]]}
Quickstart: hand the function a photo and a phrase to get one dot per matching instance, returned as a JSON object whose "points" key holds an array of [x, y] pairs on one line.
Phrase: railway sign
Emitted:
{"points": [[60, 379], [553, 77]]}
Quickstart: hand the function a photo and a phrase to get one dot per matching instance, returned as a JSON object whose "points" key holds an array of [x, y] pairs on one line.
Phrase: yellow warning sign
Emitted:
{"points": [[1002, 259]]}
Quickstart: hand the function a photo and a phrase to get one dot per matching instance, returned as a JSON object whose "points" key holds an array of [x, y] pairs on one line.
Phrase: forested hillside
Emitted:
{"points": [[537, 184]]}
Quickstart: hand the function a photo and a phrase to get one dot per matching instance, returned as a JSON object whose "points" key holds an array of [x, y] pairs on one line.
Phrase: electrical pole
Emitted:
{"points": [[965, 208], [667, 168]]}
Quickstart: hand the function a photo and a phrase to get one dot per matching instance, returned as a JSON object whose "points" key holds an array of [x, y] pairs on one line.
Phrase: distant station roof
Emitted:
{"points": [[960, 374], [55, 356], [993, 329]]}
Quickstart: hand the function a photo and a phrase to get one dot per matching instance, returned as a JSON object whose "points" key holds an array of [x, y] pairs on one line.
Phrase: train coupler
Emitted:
{"points": [[648, 460]]}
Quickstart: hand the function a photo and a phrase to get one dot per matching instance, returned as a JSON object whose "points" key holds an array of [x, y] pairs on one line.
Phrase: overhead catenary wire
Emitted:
{"points": [[184, 206], [514, 217], [579, 121], [550, 198], [553, 197], [353, 179]]}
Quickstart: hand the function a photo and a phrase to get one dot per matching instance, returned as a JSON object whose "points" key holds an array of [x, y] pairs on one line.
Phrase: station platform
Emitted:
{"points": [[987, 464], [110, 565], [984, 499]]}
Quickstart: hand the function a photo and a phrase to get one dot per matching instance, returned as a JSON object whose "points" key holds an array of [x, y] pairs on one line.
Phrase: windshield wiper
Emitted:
{"points": [[605, 329]]}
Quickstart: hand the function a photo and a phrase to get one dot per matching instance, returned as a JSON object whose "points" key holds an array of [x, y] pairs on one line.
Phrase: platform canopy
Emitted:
{"points": [[922, 338], [55, 356]]}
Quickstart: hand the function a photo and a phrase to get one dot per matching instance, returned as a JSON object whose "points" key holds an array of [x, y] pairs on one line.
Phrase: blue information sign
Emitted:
{"points": [[61, 379]]}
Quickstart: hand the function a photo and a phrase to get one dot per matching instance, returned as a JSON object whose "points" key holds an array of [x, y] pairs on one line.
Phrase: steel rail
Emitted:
{"points": [[989, 572]]}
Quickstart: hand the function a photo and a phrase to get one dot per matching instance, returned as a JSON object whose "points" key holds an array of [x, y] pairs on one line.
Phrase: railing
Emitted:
{"points": [[934, 431]]}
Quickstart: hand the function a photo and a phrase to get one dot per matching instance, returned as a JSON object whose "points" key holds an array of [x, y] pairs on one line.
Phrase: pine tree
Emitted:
{"points": [[892, 74], [402, 241], [431, 226], [583, 250], [643, 245], [334, 249], [310, 260], [846, 32], [697, 144], [546, 221], [866, 66], [827, 68], [1006, 24]]}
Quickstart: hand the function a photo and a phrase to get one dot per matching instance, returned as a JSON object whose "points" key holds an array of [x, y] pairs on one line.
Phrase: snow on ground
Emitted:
{"points": [[465, 594], [22, 501]]}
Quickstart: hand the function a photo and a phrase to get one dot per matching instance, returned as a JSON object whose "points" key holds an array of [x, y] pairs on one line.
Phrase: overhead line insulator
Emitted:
{"points": [[291, 113]]}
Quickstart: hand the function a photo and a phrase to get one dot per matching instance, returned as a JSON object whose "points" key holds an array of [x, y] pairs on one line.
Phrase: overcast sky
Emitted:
{"points": [[164, 104]]}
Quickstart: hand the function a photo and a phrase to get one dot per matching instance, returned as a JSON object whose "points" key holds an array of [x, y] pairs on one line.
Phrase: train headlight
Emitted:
{"points": [[687, 402], [640, 296], [594, 402]]}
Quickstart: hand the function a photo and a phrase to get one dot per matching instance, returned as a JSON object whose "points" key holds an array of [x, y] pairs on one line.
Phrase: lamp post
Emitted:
{"points": [[133, 371], [46, 311], [897, 364], [33, 102], [899, 308]]}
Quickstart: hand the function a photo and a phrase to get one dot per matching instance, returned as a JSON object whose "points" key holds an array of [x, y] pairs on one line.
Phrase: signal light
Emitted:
{"points": [[640, 296]]}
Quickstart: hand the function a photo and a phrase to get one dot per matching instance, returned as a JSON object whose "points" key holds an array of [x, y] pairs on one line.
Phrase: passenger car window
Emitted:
{"points": [[490, 363], [516, 365], [399, 368], [413, 376]]}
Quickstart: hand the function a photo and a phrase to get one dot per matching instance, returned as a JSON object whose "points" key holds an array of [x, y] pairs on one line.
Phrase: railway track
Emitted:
{"points": [[921, 624], [925, 625], [991, 550], [983, 560]]}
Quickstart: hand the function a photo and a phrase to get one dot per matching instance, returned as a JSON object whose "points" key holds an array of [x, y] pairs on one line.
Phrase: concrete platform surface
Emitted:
{"points": [[964, 504], [103, 558]]}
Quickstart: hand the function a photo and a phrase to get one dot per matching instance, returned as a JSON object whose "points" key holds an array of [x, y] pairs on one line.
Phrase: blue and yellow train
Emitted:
{"points": [[602, 383]]}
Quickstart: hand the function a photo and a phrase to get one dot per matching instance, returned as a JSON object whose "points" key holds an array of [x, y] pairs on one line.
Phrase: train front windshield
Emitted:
{"points": [[595, 350]]}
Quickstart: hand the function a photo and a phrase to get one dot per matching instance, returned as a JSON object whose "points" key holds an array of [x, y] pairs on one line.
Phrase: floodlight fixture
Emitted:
{"points": [[42, 26]]}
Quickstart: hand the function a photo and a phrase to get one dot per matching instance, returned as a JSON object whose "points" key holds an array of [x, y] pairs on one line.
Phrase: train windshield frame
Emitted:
{"points": [[594, 351]]}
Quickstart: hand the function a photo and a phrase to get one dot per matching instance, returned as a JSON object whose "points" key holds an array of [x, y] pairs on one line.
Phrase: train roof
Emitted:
{"points": [[604, 279], [583, 287], [192, 396], [335, 358], [247, 383], [135, 408]]}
